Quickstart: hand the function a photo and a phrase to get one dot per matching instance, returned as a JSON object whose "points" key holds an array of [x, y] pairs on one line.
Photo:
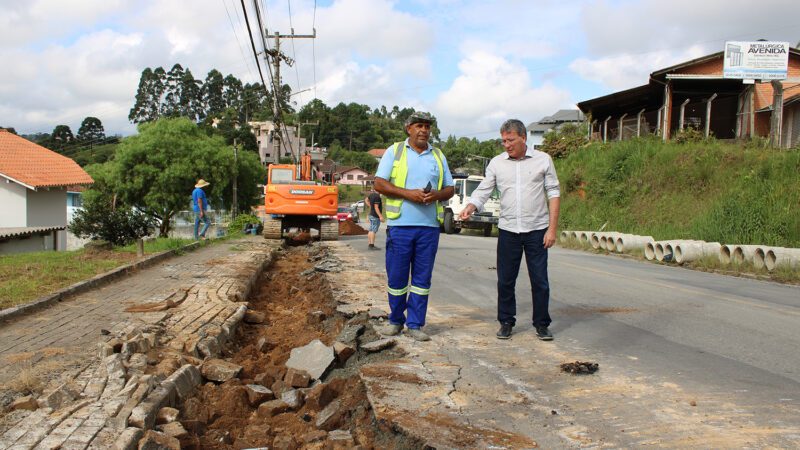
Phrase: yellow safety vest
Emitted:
{"points": [[398, 178]]}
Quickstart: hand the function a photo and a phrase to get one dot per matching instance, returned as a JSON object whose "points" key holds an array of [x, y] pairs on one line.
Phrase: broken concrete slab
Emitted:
{"points": [[380, 344], [27, 403], [60, 396], [297, 378], [350, 333], [166, 415], [219, 370], [329, 418], [153, 440], [377, 313], [272, 408], [343, 351], [314, 358], [293, 398], [258, 394]]}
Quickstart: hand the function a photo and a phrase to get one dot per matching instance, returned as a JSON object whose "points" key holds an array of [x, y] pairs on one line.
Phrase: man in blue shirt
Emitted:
{"points": [[415, 178], [200, 206]]}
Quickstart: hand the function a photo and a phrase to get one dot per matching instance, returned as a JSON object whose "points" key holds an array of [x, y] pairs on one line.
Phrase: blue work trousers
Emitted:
{"points": [[510, 247], [410, 250]]}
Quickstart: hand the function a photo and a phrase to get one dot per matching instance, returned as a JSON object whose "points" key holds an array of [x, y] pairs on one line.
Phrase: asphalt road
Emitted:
{"points": [[687, 358]]}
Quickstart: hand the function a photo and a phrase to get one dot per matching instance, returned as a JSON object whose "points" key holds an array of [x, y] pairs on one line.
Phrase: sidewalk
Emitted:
{"points": [[191, 305]]}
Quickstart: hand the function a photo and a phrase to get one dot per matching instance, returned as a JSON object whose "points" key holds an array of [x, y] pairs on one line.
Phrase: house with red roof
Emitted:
{"points": [[33, 195]]}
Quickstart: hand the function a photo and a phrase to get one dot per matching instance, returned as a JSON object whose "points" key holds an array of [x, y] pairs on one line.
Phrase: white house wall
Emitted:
{"points": [[48, 208], [12, 198]]}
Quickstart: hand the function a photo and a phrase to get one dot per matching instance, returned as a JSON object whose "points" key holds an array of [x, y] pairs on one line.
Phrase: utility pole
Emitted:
{"points": [[235, 203], [277, 56]]}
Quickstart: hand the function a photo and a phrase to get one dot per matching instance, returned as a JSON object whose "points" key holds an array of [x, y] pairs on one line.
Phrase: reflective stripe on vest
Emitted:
{"points": [[398, 178]]}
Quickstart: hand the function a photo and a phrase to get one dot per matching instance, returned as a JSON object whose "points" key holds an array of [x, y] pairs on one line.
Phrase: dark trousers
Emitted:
{"points": [[510, 247]]}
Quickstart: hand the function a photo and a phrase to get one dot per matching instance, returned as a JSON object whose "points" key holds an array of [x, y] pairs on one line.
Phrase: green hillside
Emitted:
{"points": [[712, 191]]}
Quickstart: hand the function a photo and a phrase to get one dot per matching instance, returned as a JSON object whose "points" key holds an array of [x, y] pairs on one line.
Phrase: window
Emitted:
{"points": [[349, 176], [361, 177]]}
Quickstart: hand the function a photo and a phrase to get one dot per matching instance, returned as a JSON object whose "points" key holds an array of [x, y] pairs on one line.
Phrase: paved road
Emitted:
{"points": [[687, 358]]}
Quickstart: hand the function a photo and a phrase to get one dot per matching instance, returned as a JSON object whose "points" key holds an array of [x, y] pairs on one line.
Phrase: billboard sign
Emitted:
{"points": [[761, 60]]}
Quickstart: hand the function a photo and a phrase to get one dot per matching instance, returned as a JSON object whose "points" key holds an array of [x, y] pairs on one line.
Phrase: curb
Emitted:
{"points": [[92, 283]]}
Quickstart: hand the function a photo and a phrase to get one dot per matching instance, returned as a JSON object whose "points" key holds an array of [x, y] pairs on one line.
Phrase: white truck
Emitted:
{"points": [[483, 220]]}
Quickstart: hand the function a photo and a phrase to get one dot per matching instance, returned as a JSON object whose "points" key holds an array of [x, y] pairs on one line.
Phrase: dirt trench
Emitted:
{"points": [[298, 307]]}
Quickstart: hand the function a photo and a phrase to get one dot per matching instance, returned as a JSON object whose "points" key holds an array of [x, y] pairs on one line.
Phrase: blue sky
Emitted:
{"points": [[473, 64]]}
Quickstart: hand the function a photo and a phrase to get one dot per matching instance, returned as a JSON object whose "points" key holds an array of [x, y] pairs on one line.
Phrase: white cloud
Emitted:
{"points": [[491, 89], [627, 71]]}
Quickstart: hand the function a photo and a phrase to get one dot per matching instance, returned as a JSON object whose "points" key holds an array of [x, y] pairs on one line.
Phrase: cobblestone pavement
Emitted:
{"points": [[104, 390]]}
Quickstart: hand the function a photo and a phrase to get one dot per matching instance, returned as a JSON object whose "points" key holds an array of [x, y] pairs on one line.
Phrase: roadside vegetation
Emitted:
{"points": [[25, 277], [707, 190]]}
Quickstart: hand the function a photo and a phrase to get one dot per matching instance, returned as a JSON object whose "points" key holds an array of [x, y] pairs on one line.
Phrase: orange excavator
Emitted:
{"points": [[294, 200]]}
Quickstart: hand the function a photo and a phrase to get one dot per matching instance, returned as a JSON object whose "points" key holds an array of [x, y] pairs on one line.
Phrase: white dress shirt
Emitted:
{"points": [[525, 186]]}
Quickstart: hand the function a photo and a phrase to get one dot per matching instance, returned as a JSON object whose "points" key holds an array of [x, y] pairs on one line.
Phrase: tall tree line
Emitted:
{"points": [[177, 93]]}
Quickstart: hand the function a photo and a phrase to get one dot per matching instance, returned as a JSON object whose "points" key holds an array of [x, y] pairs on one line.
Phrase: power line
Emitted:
{"points": [[253, 45], [294, 53], [236, 35]]}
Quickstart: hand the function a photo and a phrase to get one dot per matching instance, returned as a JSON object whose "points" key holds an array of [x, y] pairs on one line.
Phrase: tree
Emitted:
{"points": [[213, 94], [103, 217], [147, 108], [61, 136], [155, 171], [9, 129], [91, 131]]}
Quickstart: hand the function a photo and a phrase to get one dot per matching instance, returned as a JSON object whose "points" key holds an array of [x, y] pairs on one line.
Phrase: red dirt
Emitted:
{"points": [[349, 228], [220, 417]]}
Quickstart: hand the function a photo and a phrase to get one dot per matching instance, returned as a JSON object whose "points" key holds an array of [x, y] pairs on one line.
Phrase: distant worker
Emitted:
{"points": [[527, 223], [375, 205], [200, 206], [415, 179]]}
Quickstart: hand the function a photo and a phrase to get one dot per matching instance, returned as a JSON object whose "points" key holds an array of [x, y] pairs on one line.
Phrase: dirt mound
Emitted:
{"points": [[580, 367], [349, 228]]}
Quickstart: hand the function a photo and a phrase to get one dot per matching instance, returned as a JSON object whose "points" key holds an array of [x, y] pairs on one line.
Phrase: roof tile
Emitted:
{"points": [[36, 166]]}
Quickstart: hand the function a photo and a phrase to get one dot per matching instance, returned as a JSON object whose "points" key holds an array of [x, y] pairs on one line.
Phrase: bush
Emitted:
{"points": [[120, 226], [238, 224], [689, 135], [565, 140]]}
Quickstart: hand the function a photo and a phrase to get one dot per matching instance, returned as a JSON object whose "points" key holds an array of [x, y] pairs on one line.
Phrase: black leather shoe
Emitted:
{"points": [[544, 334], [505, 331]]}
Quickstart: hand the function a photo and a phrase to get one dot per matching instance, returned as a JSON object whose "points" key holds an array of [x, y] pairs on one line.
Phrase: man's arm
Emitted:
{"points": [[200, 205], [388, 189], [481, 193], [555, 208]]}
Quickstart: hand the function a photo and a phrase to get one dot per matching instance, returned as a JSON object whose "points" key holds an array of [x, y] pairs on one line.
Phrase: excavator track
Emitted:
{"points": [[273, 228], [329, 230]]}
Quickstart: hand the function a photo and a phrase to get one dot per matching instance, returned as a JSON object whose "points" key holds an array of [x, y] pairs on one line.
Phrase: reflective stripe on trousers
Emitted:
{"points": [[410, 254]]}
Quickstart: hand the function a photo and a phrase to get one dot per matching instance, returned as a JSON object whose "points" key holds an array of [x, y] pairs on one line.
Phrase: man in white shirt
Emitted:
{"points": [[528, 223]]}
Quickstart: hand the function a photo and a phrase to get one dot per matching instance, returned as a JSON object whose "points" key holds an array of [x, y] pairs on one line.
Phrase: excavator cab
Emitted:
{"points": [[293, 200]]}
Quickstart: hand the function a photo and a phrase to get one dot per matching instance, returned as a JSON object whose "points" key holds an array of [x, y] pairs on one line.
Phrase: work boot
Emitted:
{"points": [[505, 331], [418, 335], [391, 330], [544, 334]]}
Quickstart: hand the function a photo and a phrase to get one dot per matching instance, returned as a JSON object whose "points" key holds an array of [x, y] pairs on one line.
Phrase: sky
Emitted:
{"points": [[472, 64]]}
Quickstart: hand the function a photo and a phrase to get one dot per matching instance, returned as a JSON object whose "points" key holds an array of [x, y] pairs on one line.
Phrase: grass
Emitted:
{"points": [[712, 191], [25, 277]]}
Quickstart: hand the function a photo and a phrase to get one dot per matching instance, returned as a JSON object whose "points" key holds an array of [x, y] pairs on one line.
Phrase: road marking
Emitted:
{"points": [[686, 290]]}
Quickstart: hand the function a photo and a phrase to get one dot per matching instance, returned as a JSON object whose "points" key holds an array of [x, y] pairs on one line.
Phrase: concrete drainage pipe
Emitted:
{"points": [[780, 256], [691, 251], [585, 236], [665, 250], [726, 254], [743, 254], [628, 242]]}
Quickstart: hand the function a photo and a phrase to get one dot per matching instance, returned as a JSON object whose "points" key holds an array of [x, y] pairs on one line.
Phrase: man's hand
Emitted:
{"points": [[549, 238], [467, 211]]}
